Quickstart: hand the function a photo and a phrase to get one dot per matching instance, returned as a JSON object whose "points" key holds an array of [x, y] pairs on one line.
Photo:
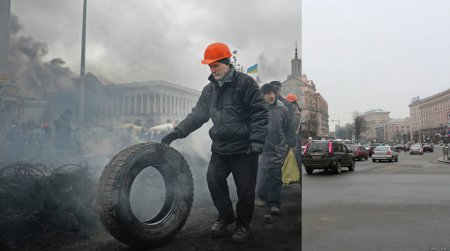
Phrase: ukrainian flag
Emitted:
{"points": [[252, 69]]}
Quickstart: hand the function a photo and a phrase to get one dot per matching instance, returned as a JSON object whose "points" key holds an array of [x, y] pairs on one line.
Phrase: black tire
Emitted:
{"points": [[373, 160], [351, 167], [338, 169], [113, 195], [309, 170]]}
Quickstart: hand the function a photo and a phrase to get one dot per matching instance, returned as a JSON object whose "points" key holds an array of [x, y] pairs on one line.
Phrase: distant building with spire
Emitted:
{"points": [[314, 106]]}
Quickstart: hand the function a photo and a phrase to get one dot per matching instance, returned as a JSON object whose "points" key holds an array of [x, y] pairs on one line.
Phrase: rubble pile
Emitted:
{"points": [[45, 206]]}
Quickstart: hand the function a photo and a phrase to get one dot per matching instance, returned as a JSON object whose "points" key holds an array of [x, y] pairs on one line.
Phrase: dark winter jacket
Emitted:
{"points": [[280, 133], [237, 110], [291, 119]]}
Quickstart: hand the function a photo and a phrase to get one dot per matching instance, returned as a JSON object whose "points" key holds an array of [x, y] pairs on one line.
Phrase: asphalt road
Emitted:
{"points": [[402, 205]]}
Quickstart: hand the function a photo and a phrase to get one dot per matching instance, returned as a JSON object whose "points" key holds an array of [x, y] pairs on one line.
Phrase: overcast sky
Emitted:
{"points": [[365, 54], [137, 40], [361, 54]]}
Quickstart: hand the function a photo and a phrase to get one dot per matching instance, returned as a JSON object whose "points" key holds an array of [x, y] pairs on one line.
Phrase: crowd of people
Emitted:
{"points": [[30, 140]]}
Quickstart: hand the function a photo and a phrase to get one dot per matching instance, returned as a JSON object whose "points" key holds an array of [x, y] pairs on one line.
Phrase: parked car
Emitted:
{"points": [[332, 155], [416, 149], [427, 148], [360, 152], [384, 153], [398, 148]]}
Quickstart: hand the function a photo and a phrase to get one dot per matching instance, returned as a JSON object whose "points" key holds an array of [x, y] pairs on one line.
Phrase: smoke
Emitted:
{"points": [[28, 68], [270, 68]]}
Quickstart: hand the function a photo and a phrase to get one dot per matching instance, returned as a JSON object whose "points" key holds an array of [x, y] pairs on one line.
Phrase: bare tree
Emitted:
{"points": [[360, 126]]}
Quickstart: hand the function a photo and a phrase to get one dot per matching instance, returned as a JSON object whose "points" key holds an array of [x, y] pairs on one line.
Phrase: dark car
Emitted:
{"points": [[427, 148], [327, 155], [407, 147], [398, 148], [360, 152]]}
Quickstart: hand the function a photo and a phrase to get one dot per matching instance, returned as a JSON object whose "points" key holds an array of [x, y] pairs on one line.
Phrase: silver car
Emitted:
{"points": [[384, 153], [416, 149]]}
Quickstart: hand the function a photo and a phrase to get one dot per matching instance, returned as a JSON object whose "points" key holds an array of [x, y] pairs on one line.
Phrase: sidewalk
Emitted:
{"points": [[441, 159]]}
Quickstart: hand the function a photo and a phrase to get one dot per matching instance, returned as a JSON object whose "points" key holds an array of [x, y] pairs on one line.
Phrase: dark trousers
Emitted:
{"points": [[244, 168], [298, 152], [269, 185]]}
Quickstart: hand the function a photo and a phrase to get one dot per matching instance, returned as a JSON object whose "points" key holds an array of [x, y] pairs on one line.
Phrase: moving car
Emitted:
{"points": [[398, 148], [372, 146], [407, 147], [384, 153], [332, 155], [416, 149], [360, 152], [427, 148]]}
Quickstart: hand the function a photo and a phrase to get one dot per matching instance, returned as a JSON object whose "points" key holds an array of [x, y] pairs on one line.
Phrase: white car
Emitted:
{"points": [[384, 153], [416, 149]]}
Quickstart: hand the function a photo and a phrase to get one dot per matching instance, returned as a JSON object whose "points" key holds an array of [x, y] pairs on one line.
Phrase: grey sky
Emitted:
{"points": [[365, 54], [138, 40]]}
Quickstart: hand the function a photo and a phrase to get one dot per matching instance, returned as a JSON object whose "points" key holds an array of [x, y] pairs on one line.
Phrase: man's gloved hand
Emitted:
{"points": [[255, 148], [169, 138]]}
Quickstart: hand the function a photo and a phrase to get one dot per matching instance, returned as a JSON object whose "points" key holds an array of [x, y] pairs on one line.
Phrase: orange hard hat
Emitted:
{"points": [[291, 97], [216, 51]]}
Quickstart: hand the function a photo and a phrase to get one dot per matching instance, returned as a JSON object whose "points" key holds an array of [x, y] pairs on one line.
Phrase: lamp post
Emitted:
{"points": [[81, 115]]}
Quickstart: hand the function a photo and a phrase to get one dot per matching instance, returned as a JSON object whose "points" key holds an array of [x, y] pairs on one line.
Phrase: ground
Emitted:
{"points": [[283, 234]]}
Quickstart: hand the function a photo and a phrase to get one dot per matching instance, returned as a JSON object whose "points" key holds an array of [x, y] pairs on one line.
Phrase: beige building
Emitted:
{"points": [[374, 118], [152, 102], [429, 117], [395, 131], [314, 106]]}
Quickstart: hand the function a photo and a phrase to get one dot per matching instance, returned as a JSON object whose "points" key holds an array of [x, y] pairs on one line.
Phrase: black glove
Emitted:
{"points": [[169, 138], [255, 148]]}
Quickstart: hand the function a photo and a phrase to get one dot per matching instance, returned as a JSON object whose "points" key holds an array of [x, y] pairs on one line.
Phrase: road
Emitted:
{"points": [[402, 205]]}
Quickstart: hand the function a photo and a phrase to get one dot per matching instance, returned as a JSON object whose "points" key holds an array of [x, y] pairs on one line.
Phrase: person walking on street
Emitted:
{"points": [[280, 133], [237, 109], [293, 99], [286, 103]]}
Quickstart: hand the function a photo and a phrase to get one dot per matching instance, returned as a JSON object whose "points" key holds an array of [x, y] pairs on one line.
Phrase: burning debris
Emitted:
{"points": [[45, 206]]}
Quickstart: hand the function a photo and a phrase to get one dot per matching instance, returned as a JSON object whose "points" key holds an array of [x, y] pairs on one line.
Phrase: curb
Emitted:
{"points": [[443, 161]]}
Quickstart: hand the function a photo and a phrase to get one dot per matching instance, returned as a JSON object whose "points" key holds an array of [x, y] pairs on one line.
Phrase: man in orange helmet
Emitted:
{"points": [[297, 113], [234, 103]]}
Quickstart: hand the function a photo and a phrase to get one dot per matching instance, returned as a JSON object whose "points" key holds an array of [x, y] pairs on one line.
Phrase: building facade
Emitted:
{"points": [[395, 131], [313, 104], [374, 118], [429, 117], [153, 102]]}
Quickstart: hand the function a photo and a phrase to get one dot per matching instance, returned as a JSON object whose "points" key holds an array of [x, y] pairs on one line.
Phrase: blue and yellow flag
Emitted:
{"points": [[252, 69]]}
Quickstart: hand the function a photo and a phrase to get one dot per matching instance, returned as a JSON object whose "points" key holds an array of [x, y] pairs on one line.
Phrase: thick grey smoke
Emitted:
{"points": [[138, 40], [270, 69], [35, 76]]}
